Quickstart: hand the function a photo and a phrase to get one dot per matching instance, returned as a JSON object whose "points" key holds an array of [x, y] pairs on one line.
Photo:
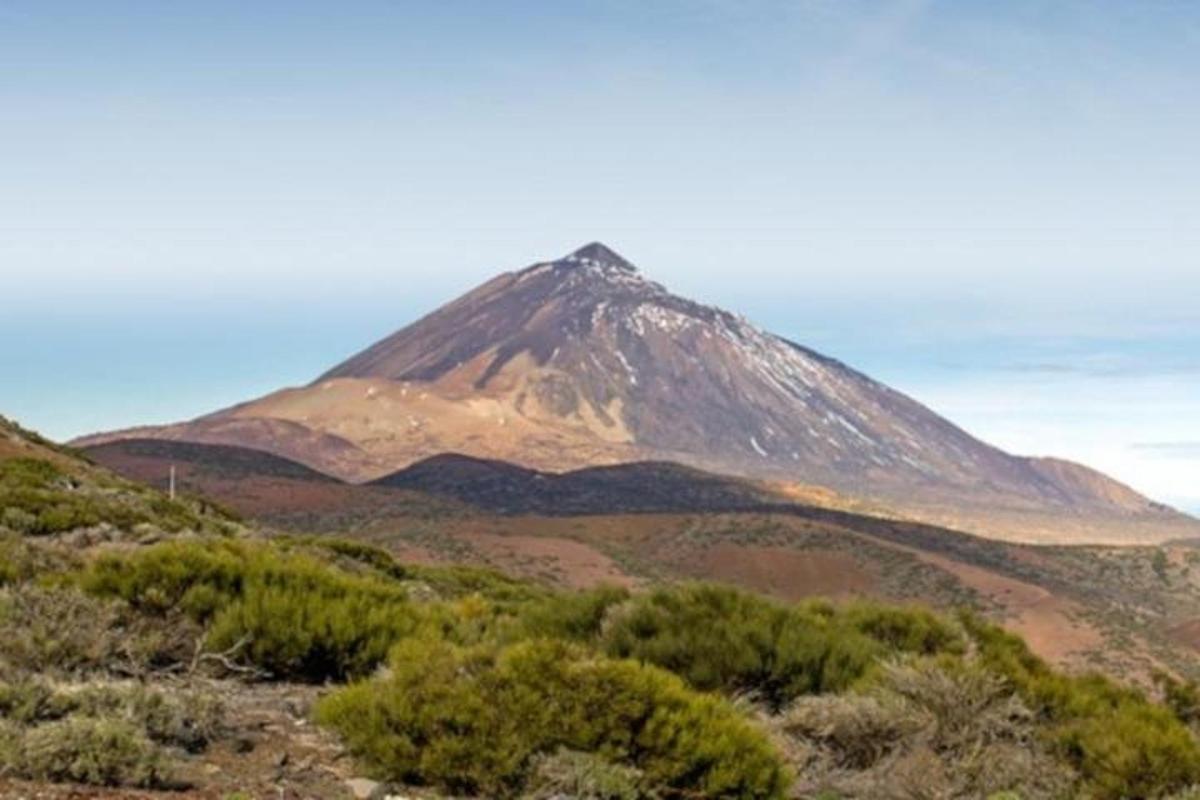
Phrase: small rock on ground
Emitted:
{"points": [[362, 788]]}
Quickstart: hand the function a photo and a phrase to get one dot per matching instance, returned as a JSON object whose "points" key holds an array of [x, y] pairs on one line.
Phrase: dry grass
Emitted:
{"points": [[922, 731], [102, 733], [61, 631]]}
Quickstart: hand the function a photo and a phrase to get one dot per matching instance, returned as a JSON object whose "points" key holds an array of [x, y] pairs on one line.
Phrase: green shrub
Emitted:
{"points": [[190, 720], [180, 718], [929, 728], [573, 616], [41, 498], [285, 612], [23, 560], [101, 733], [1136, 750], [474, 719], [584, 776], [57, 629], [304, 611], [723, 639], [333, 631], [10, 571], [916, 631], [19, 520], [367, 555], [1122, 744], [1182, 697], [197, 577], [29, 701], [97, 751], [457, 580], [30, 473]]}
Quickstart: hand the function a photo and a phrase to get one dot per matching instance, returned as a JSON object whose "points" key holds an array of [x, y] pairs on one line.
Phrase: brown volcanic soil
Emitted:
{"points": [[565, 562], [784, 573], [1187, 633]]}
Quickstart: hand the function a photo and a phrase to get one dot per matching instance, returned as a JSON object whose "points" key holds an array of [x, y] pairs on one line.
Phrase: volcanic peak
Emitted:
{"points": [[601, 255]]}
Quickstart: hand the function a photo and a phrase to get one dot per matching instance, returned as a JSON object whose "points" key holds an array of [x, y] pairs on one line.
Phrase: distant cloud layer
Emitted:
{"points": [[1188, 450], [1114, 367]]}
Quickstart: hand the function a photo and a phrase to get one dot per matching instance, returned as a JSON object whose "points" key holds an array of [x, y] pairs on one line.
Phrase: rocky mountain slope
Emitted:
{"points": [[583, 361]]}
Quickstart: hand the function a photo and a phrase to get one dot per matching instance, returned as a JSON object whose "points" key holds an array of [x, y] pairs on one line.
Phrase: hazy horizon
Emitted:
{"points": [[991, 209]]}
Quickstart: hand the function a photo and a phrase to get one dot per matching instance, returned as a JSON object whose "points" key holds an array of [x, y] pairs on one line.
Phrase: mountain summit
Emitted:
{"points": [[533, 312], [601, 255], [583, 361]]}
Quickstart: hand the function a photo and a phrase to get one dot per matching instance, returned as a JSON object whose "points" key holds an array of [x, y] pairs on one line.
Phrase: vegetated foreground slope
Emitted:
{"points": [[1124, 609], [582, 361], [502, 688]]}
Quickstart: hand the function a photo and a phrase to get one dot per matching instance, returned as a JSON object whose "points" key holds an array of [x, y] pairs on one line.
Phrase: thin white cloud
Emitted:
{"points": [[1186, 450]]}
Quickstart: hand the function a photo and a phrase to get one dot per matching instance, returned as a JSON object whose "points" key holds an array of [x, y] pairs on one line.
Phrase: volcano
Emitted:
{"points": [[583, 361]]}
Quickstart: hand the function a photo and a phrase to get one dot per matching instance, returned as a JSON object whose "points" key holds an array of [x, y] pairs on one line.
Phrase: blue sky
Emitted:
{"points": [[992, 206]]}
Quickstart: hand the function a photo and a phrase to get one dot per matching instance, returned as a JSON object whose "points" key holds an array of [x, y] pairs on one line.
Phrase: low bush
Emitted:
{"points": [[367, 555], [182, 718], [22, 560], [108, 734], [190, 720], [475, 719], [196, 577], [60, 631], [723, 639], [32, 473], [1181, 696], [909, 630], [456, 580], [288, 613], [29, 701], [575, 616], [331, 631], [97, 751], [1122, 744], [40, 498], [925, 729], [584, 776], [56, 629], [856, 731]]}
